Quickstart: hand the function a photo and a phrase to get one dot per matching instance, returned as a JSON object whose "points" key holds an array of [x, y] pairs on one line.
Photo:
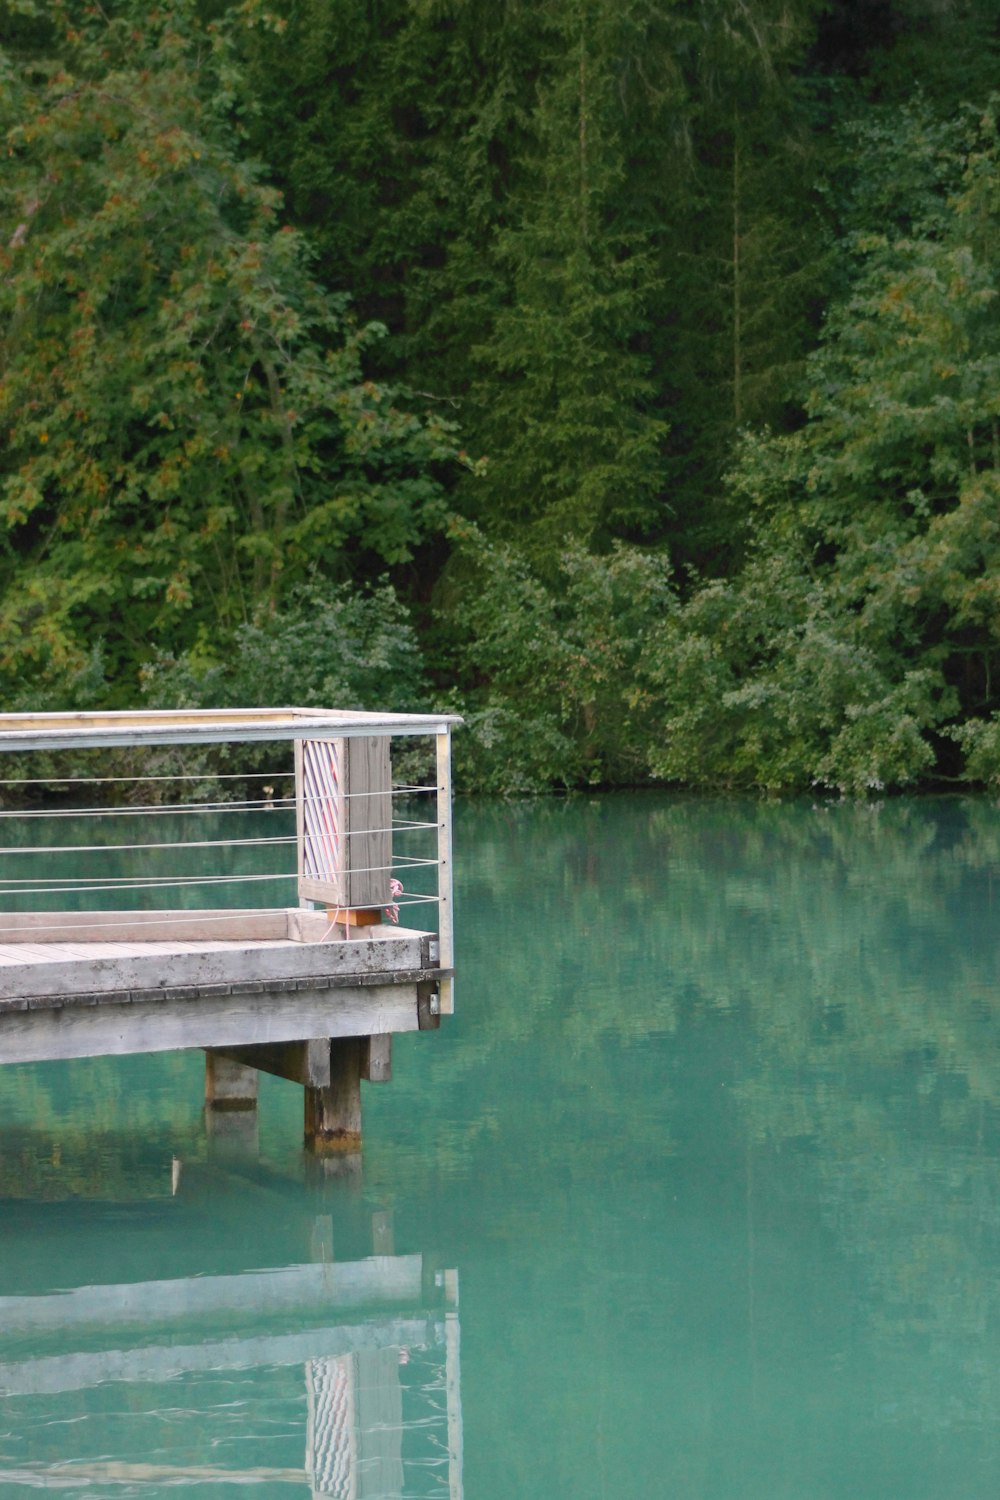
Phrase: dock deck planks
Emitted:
{"points": [[100, 997]]}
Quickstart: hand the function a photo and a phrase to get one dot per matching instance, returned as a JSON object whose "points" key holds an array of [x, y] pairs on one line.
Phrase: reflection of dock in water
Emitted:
{"points": [[329, 1376], [356, 1363]]}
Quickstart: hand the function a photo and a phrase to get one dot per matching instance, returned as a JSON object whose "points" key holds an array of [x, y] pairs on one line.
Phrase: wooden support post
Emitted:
{"points": [[333, 1114], [229, 1085], [376, 1058]]}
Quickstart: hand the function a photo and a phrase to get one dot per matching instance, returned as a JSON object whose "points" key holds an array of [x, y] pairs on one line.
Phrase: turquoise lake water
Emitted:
{"points": [[697, 1196]]}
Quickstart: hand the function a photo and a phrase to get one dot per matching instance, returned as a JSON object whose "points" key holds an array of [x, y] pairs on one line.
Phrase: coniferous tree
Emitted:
{"points": [[859, 641], [570, 407], [742, 257]]}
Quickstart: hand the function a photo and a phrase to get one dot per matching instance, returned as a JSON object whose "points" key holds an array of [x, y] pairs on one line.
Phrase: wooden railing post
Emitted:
{"points": [[343, 799], [368, 841]]}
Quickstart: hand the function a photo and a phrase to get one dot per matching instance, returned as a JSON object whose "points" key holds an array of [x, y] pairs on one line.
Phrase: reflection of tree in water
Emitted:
{"points": [[731, 902], [868, 973], [844, 959]]}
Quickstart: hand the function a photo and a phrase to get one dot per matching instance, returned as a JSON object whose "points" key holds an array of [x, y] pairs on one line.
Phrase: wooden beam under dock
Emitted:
{"points": [[219, 1017], [305, 1062]]}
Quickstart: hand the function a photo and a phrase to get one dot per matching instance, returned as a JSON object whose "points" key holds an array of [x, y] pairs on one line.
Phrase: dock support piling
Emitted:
{"points": [[376, 1058], [229, 1085], [333, 1114]]}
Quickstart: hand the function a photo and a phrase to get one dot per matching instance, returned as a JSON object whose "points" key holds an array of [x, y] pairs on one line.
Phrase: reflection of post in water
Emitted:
{"points": [[354, 1433], [384, 1418], [356, 1422]]}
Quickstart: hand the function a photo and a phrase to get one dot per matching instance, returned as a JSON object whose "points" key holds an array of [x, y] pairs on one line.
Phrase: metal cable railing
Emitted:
{"points": [[401, 865]]}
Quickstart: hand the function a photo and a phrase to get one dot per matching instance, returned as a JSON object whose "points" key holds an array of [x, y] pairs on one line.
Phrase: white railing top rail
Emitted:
{"points": [[56, 731]]}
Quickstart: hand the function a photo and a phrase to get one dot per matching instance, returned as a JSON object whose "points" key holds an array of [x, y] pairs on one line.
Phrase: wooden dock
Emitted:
{"points": [[313, 992]]}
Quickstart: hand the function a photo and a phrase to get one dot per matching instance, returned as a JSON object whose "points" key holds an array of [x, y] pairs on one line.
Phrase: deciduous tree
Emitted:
{"points": [[189, 430]]}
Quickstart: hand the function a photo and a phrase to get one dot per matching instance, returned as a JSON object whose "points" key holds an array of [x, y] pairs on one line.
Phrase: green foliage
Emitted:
{"points": [[765, 683], [979, 740], [399, 157], [576, 426], [743, 248], [587, 224], [951, 46], [325, 647], [189, 431], [599, 235], [866, 616], [558, 690]]}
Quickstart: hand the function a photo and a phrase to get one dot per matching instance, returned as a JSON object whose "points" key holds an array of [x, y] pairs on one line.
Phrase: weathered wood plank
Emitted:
{"points": [[160, 966], [376, 1059], [149, 926], [228, 1020], [303, 926], [368, 807], [119, 999], [191, 727], [198, 926], [34, 953]]}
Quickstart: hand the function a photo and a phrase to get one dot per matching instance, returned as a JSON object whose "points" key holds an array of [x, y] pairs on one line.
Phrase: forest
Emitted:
{"points": [[621, 374]]}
